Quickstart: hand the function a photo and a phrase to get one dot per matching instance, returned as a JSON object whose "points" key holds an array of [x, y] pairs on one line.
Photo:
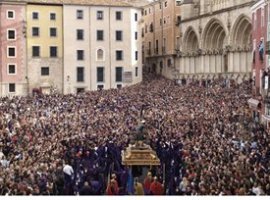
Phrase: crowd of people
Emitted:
{"points": [[71, 144]]}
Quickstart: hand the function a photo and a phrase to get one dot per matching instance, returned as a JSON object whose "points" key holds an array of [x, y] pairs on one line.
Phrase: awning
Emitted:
{"points": [[253, 103]]}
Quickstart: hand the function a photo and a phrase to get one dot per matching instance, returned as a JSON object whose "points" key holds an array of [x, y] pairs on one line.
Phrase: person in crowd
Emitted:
{"points": [[204, 137], [138, 187]]}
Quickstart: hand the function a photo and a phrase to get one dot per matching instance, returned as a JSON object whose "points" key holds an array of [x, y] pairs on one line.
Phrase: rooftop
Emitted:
{"points": [[76, 2]]}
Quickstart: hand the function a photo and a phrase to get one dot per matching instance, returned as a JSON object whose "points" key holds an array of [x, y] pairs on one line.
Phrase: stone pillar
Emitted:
{"points": [[230, 62], [202, 64], [249, 61], [212, 64], [219, 63], [196, 69], [235, 62], [243, 61], [192, 65], [186, 65], [207, 64]]}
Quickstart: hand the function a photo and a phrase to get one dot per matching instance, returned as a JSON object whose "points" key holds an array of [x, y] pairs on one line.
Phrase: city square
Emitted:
{"points": [[133, 97]]}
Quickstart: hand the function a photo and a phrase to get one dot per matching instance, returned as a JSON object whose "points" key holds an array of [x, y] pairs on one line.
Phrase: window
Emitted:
{"points": [[136, 71], [80, 54], [100, 74], [11, 34], [11, 87], [100, 54], [79, 14], [119, 55], [136, 17], [118, 15], [53, 32], [145, 12], [11, 69], [35, 15], [53, 51], [99, 35], [35, 51], [80, 90], [11, 14], [136, 55], [52, 16], [35, 31], [118, 74], [100, 87], [136, 35], [80, 34], [11, 51], [80, 74], [118, 35], [165, 3], [99, 15], [45, 71]]}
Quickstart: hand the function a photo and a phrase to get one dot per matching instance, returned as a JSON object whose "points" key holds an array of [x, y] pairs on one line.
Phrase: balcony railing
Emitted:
{"points": [[163, 50], [156, 50]]}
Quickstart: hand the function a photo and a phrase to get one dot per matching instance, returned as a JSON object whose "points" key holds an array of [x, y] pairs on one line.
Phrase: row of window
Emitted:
{"points": [[53, 51], [149, 9], [45, 71], [80, 53], [79, 34], [100, 15], [79, 15], [11, 34], [12, 88], [35, 15]]}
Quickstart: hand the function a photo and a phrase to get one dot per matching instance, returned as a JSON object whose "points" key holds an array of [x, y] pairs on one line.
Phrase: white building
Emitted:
{"points": [[102, 45]]}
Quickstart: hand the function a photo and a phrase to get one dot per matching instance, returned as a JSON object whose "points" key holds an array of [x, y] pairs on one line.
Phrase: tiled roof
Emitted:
{"points": [[75, 2]]}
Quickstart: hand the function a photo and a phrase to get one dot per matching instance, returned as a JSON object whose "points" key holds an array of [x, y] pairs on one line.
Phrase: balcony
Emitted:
{"points": [[149, 52], [163, 50], [177, 20], [156, 50]]}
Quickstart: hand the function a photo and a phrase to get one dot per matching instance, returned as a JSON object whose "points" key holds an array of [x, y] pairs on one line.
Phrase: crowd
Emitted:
{"points": [[71, 144]]}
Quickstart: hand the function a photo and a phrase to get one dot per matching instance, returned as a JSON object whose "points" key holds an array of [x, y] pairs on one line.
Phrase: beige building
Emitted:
{"points": [[102, 45], [161, 35], [214, 39], [44, 46]]}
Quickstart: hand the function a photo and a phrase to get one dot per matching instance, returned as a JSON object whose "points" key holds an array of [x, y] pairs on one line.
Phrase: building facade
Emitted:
{"points": [[69, 46], [260, 103], [161, 35], [214, 39], [13, 49], [45, 47], [102, 47]]}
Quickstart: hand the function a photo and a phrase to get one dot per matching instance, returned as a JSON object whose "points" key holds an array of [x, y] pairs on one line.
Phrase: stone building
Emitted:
{"points": [[214, 39], [69, 45], [13, 80], [260, 103], [161, 35], [102, 45]]}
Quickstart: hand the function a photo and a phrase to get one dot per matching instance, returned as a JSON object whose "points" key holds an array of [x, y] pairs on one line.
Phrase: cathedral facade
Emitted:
{"points": [[214, 39]]}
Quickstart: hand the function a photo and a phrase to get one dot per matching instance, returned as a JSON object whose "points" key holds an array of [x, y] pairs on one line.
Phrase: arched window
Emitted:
{"points": [[100, 54]]}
